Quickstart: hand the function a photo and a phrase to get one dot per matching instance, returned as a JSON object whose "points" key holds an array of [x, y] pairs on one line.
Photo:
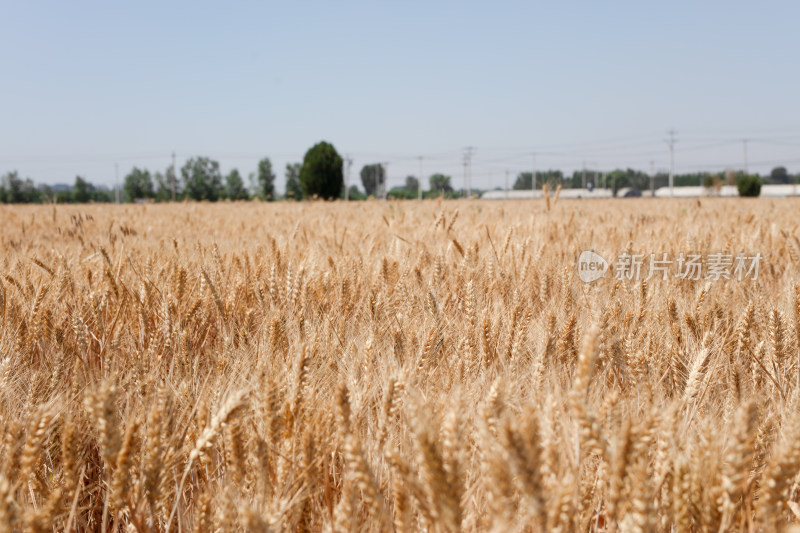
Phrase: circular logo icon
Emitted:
{"points": [[591, 266]]}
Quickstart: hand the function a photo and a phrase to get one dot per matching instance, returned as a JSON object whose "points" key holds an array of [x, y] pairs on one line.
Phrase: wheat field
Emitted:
{"points": [[396, 366]]}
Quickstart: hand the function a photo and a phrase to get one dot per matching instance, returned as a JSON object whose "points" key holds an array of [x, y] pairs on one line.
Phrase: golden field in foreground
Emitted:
{"points": [[407, 366]]}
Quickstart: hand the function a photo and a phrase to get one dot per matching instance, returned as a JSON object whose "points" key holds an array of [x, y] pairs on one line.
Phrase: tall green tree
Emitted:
{"points": [[616, 180], [102, 194], [293, 189], [266, 180], [44, 193], [440, 183], [202, 179], [82, 191], [15, 190], [138, 184], [355, 194], [551, 177], [321, 174], [779, 175], [164, 183], [372, 177], [234, 186], [12, 188], [636, 178], [163, 186]]}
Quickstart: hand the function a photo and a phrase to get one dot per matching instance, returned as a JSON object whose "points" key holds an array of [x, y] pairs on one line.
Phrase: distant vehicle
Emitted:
{"points": [[633, 193]]}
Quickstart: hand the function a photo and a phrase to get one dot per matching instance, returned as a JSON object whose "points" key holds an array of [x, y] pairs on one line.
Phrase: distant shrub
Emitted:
{"points": [[749, 185]]}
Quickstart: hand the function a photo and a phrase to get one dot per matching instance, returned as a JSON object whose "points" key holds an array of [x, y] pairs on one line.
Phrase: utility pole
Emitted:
{"points": [[116, 180], [348, 162], [744, 145], [468, 170], [419, 180], [506, 184], [173, 176], [671, 161], [465, 172], [652, 179], [533, 177]]}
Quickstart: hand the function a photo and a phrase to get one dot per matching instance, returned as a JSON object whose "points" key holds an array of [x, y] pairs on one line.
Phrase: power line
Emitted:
{"points": [[620, 140], [771, 162], [775, 143]]}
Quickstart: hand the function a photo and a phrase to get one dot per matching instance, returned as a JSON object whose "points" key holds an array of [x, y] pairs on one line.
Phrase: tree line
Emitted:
{"points": [[199, 179], [15, 190], [631, 178], [320, 175]]}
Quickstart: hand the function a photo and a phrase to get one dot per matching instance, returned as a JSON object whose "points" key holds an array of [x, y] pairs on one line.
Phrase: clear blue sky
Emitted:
{"points": [[88, 84]]}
